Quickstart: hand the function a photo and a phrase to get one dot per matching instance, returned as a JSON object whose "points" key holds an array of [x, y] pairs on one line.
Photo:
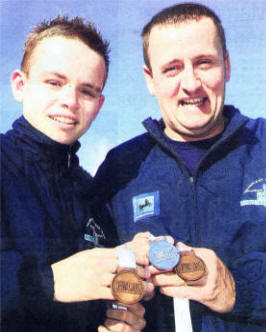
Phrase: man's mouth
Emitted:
{"points": [[193, 101], [63, 119]]}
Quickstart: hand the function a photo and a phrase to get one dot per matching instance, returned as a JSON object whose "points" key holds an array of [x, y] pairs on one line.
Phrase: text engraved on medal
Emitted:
{"points": [[190, 268], [127, 287], [166, 254]]}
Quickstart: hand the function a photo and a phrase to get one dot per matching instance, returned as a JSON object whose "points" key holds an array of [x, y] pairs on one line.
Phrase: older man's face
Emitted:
{"points": [[188, 78]]}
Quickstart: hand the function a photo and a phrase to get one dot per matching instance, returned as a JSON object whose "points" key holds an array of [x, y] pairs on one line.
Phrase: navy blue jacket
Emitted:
{"points": [[44, 218], [222, 207]]}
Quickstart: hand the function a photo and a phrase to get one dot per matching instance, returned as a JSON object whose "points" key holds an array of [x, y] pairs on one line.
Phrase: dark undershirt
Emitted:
{"points": [[192, 152]]}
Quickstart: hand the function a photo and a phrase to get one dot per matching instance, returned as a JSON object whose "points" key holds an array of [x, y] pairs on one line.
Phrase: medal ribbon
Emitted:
{"points": [[182, 315], [126, 258]]}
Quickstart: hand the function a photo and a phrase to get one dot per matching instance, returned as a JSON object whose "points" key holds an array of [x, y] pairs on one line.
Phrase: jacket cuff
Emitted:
{"points": [[249, 276], [37, 287], [47, 282]]}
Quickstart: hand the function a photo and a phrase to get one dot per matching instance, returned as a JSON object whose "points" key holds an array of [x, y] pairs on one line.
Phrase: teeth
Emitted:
{"points": [[193, 101], [62, 119]]}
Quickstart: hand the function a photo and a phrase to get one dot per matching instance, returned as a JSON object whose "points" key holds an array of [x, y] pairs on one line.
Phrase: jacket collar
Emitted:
{"points": [[234, 121], [41, 146]]}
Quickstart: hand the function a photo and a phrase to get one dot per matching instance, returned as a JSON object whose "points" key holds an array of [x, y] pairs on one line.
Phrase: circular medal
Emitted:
{"points": [[127, 287], [190, 267], [163, 255]]}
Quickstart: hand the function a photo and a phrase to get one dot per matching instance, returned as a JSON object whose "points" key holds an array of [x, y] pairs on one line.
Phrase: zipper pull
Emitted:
{"points": [[68, 159]]}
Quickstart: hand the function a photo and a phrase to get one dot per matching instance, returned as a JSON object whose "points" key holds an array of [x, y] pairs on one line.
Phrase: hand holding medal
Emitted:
{"points": [[190, 266], [212, 285], [165, 256], [127, 286]]}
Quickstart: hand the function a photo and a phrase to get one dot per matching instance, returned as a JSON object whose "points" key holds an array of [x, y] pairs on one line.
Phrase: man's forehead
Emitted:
{"points": [[70, 57], [64, 48], [195, 31], [183, 24]]}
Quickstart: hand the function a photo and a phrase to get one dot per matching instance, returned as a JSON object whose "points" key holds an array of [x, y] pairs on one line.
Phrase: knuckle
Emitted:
{"points": [[142, 311], [140, 324], [125, 314], [143, 324], [210, 294]]}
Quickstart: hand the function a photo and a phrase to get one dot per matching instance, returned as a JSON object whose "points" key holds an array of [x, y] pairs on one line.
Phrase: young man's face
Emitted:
{"points": [[188, 78], [61, 95]]}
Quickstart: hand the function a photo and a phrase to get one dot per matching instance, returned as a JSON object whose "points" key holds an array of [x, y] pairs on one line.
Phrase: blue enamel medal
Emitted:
{"points": [[163, 255]]}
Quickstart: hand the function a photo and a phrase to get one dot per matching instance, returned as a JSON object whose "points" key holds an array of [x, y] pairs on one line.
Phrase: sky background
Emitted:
{"points": [[127, 101]]}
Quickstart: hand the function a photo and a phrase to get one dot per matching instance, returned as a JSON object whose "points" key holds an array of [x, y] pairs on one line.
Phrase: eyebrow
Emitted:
{"points": [[63, 77], [202, 56]]}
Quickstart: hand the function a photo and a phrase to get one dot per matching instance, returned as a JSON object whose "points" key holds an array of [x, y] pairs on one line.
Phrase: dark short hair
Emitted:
{"points": [[69, 28], [180, 13]]}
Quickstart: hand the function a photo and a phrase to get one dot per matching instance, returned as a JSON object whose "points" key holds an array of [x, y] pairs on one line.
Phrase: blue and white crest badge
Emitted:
{"points": [[146, 205], [255, 194]]}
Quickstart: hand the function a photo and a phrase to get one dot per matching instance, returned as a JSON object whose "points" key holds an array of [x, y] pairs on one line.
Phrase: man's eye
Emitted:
{"points": [[204, 62], [90, 93], [172, 70], [87, 92], [53, 82]]}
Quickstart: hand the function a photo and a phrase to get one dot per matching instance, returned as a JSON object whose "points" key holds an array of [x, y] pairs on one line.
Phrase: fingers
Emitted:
{"points": [[167, 279], [152, 270], [141, 246], [143, 272], [118, 326], [170, 239], [216, 289], [148, 290], [131, 319]]}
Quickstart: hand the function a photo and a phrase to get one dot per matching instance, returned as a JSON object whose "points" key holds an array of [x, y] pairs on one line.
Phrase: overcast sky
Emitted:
{"points": [[127, 101]]}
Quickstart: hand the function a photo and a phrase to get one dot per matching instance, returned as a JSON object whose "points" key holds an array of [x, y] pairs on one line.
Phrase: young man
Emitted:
{"points": [[197, 175], [48, 279]]}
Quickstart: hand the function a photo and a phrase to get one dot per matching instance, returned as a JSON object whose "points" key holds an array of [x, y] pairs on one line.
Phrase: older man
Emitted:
{"points": [[197, 175]]}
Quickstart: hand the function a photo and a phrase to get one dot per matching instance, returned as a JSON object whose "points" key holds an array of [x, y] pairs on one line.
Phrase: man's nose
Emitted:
{"points": [[69, 97], [190, 81]]}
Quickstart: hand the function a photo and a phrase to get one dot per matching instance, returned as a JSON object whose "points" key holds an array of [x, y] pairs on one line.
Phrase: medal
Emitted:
{"points": [[127, 286], [163, 255], [190, 266]]}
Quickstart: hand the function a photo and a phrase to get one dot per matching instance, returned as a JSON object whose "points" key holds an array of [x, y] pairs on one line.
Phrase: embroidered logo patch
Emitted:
{"points": [[93, 232], [146, 205], [255, 194]]}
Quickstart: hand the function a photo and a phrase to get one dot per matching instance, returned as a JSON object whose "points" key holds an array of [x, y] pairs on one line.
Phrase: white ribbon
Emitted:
{"points": [[182, 315], [126, 258]]}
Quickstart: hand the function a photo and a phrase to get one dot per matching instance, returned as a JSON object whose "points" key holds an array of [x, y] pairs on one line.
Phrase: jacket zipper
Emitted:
{"points": [[68, 159]]}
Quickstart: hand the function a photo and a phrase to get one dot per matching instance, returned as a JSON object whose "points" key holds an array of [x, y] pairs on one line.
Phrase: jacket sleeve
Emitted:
{"points": [[23, 286], [26, 278], [249, 273]]}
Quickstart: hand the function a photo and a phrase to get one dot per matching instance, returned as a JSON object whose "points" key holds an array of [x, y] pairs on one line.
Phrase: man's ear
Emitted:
{"points": [[17, 85], [149, 80], [100, 104], [227, 67]]}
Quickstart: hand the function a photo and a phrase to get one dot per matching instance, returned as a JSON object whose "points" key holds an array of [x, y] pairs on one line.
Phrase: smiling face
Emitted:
{"points": [[188, 78], [61, 95]]}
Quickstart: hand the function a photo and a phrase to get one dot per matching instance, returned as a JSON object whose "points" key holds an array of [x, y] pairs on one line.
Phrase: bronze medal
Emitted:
{"points": [[190, 267], [127, 287]]}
